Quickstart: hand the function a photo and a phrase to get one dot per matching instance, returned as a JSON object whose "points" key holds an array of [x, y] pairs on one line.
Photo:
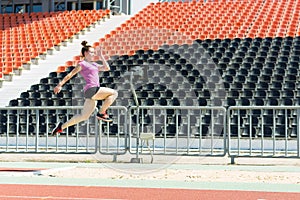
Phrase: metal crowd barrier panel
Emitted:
{"points": [[27, 130], [240, 131], [178, 130], [113, 136], [263, 131]]}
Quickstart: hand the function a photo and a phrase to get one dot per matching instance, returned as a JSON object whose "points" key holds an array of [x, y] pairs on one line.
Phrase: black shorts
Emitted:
{"points": [[89, 93]]}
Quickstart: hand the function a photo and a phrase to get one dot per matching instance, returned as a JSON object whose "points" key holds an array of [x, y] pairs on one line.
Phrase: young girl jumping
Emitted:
{"points": [[92, 90]]}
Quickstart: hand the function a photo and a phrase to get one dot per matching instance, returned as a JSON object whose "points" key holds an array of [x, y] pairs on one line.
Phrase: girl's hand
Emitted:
{"points": [[57, 89], [99, 51]]}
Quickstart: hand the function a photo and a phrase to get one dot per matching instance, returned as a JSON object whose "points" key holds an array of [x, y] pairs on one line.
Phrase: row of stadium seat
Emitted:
{"points": [[212, 70], [25, 37], [222, 21], [152, 31], [20, 20]]}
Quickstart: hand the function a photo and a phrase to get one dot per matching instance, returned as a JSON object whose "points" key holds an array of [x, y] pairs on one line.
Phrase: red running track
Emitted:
{"points": [[55, 192]]}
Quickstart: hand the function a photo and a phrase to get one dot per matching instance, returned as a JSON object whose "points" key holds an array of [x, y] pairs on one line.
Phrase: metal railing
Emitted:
{"points": [[27, 130], [238, 131], [179, 130], [263, 131], [113, 137]]}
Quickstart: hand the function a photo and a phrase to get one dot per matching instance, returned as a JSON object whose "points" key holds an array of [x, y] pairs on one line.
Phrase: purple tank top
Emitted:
{"points": [[90, 73]]}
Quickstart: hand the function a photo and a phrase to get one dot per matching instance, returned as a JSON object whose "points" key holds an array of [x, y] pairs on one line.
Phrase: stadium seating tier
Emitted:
{"points": [[246, 50]]}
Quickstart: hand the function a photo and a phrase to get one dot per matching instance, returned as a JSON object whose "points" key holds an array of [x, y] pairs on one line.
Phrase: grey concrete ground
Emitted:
{"points": [[254, 174], [158, 159]]}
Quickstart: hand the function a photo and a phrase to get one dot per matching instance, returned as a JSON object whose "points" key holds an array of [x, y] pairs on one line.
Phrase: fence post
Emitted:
{"points": [[232, 162], [137, 159], [298, 133], [37, 130]]}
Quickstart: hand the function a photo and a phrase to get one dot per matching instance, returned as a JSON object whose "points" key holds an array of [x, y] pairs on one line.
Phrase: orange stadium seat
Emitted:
{"points": [[69, 63], [61, 69], [8, 68], [248, 42], [76, 59]]}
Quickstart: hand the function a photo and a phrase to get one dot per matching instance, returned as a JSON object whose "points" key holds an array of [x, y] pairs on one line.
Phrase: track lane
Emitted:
{"points": [[55, 192]]}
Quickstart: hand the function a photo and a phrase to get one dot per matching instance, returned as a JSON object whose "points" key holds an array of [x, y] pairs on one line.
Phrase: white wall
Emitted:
{"points": [[138, 5]]}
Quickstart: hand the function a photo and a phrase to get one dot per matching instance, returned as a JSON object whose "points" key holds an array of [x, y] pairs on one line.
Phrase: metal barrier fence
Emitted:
{"points": [[27, 130], [263, 131], [239, 131], [184, 130], [113, 137]]}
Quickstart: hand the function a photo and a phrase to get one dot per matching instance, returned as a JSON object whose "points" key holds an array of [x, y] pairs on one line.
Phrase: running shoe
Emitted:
{"points": [[57, 129], [104, 117]]}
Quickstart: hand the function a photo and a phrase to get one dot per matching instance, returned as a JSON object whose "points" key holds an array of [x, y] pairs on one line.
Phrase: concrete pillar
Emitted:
{"points": [[51, 5], [13, 6], [79, 4], [45, 6], [30, 6], [108, 4], [120, 3], [94, 5], [66, 5], [74, 6]]}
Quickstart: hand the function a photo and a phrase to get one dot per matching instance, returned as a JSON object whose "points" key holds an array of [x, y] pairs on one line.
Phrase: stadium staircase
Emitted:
{"points": [[20, 78]]}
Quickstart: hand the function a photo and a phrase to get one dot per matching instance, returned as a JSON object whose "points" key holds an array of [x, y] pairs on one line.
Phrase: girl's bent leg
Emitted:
{"points": [[88, 108], [109, 95]]}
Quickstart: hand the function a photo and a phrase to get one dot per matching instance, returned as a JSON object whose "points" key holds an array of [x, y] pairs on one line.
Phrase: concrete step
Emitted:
{"points": [[20, 83]]}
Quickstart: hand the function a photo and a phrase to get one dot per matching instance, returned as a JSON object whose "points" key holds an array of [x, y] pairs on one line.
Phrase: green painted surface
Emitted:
{"points": [[35, 178]]}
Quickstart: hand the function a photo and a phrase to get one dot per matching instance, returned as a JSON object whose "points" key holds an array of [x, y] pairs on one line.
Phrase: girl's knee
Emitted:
{"points": [[115, 93]]}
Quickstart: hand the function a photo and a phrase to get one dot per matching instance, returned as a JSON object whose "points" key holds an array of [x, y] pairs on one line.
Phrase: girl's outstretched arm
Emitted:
{"points": [[57, 89]]}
